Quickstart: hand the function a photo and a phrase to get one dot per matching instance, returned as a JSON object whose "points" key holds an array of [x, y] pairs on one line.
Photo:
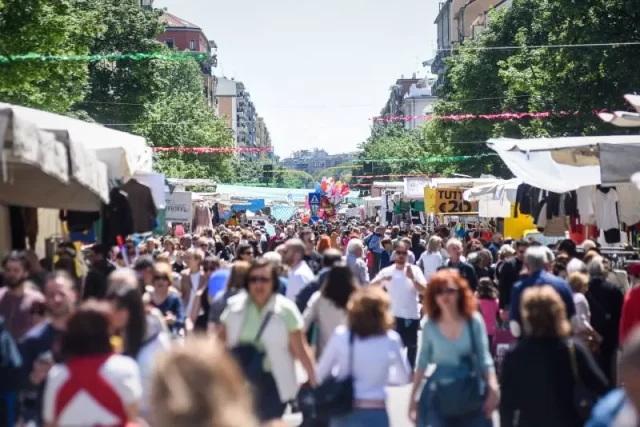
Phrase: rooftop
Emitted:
{"points": [[173, 21]]}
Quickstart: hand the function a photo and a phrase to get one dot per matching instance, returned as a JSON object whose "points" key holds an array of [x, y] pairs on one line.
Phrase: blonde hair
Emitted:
{"points": [[432, 245], [579, 282], [165, 268], [239, 271], [197, 254], [543, 313], [199, 385]]}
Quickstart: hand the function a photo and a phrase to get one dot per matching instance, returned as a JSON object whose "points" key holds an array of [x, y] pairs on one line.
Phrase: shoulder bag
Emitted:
{"points": [[334, 397], [583, 398], [464, 394], [249, 357]]}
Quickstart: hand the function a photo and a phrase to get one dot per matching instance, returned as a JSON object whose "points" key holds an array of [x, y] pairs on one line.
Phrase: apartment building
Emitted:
{"points": [[418, 102], [316, 160]]}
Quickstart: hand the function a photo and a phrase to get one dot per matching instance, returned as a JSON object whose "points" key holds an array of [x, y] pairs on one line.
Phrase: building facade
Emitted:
{"points": [[185, 36], [316, 160], [456, 21], [394, 104], [419, 102], [263, 138]]}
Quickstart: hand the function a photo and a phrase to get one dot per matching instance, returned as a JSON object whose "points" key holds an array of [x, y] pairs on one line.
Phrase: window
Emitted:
{"points": [[170, 43], [192, 45]]}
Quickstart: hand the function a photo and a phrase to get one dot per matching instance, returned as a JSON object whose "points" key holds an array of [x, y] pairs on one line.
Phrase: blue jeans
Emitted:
{"points": [[361, 417]]}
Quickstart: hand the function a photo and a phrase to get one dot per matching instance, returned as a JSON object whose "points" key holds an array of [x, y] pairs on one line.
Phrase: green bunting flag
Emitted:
{"points": [[33, 57]]}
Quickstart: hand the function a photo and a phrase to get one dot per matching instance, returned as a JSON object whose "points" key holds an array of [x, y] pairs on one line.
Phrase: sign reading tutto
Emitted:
{"points": [[178, 207], [450, 201]]}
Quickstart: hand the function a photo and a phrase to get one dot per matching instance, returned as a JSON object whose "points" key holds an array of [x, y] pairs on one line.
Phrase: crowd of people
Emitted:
{"points": [[230, 327]]}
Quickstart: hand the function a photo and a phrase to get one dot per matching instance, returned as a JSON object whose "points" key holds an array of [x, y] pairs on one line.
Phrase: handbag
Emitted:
{"points": [[465, 394], [583, 398], [334, 397], [249, 357]]}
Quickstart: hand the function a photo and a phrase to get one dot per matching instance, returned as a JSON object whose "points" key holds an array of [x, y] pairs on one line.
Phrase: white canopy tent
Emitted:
{"points": [[123, 153], [568, 163], [47, 169], [500, 190]]}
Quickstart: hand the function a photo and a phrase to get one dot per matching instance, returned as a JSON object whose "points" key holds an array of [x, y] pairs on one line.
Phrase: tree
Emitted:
{"points": [[181, 117], [481, 79], [45, 27]]}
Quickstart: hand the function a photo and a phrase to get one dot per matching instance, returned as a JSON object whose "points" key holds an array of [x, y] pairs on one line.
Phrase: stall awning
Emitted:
{"points": [[283, 212], [501, 190], [37, 169], [123, 153], [566, 164]]}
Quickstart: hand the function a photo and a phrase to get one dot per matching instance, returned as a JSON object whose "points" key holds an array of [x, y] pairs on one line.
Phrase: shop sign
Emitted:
{"points": [[414, 187], [179, 207], [450, 201]]}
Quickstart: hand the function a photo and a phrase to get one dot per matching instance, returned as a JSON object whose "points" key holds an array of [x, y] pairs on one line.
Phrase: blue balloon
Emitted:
{"points": [[317, 187]]}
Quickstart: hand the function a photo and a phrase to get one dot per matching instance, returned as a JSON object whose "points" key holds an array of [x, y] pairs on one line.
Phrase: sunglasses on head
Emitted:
{"points": [[447, 291], [259, 279]]}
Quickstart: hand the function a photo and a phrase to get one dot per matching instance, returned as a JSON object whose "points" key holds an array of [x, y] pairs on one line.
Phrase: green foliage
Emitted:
{"points": [[52, 28], [584, 79]]}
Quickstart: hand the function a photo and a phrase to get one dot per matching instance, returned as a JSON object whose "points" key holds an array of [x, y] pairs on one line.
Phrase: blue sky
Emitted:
{"points": [[317, 71]]}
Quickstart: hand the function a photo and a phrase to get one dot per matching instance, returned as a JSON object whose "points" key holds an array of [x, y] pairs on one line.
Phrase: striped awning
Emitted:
{"points": [[283, 212]]}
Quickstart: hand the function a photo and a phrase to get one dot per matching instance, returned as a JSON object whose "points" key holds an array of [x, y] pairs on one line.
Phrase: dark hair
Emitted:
{"points": [[143, 263], [264, 263], [38, 307], [569, 247], [386, 241], [127, 296], [242, 248], [330, 257], [101, 249], [486, 289], [18, 256], [339, 285], [88, 331], [522, 243]]}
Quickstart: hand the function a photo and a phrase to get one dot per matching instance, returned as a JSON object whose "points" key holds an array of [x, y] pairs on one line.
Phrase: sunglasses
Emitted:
{"points": [[446, 291], [160, 277], [248, 253], [402, 253], [259, 279]]}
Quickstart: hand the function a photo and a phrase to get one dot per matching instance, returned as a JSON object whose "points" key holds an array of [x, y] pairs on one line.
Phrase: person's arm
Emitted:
{"points": [[300, 350], [179, 313], [364, 273], [310, 313], [399, 363], [329, 357]]}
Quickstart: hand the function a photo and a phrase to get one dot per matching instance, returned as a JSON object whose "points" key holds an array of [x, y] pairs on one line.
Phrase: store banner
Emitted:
{"points": [[450, 201], [178, 208], [429, 200]]}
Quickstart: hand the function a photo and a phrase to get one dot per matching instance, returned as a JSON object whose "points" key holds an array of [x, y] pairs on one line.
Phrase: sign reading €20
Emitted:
{"points": [[450, 201]]}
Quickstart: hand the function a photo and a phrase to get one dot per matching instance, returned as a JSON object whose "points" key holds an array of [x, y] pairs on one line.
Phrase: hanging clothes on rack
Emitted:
{"points": [[143, 208], [117, 218], [606, 205]]}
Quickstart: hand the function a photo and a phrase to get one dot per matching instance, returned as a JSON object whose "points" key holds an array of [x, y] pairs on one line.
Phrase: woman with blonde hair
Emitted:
{"points": [[367, 349], [192, 281], [189, 390], [431, 259], [554, 363]]}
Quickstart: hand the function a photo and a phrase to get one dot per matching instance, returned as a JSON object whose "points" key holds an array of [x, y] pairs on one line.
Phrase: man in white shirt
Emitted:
{"points": [[300, 275], [403, 282]]}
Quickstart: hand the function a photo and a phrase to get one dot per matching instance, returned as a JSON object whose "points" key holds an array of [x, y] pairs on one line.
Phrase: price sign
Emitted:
{"points": [[450, 201]]}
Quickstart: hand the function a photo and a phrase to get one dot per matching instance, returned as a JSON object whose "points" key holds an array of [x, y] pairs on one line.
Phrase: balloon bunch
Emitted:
{"points": [[332, 195]]}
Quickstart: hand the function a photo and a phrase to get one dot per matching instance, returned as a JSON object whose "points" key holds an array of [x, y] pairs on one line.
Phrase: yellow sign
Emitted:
{"points": [[429, 200], [450, 201]]}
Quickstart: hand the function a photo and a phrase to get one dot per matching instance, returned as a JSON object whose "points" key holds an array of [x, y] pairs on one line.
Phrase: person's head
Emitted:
{"points": [[238, 275], [588, 245], [98, 253], [15, 269], [185, 242], [162, 278], [169, 246], [60, 295], [387, 244], [395, 231], [550, 257], [434, 244], [188, 390], [210, 264], [576, 266], [589, 256], [454, 249], [262, 282], [293, 252], [535, 259], [448, 292], [244, 252], [368, 312], [128, 310], [629, 367], [521, 249], [37, 312], [486, 289], [596, 268], [144, 269], [355, 247], [568, 247], [339, 285], [578, 282], [203, 244], [307, 237], [485, 258], [402, 253], [291, 231], [506, 252], [324, 243], [88, 331], [560, 269], [331, 257], [543, 313], [497, 239], [193, 258]]}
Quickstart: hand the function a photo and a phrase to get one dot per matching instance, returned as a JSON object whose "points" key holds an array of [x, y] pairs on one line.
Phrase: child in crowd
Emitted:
{"points": [[488, 300]]}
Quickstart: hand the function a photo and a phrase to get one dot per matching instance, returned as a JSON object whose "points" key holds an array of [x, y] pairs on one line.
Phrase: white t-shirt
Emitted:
{"points": [[403, 295], [606, 213], [195, 282], [299, 277], [83, 409], [430, 263]]}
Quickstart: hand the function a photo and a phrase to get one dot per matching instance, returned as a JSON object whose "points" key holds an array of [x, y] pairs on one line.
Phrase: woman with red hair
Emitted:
{"points": [[324, 243], [463, 390]]}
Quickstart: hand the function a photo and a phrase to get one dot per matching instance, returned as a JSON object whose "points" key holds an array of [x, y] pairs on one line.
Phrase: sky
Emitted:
{"points": [[317, 71]]}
